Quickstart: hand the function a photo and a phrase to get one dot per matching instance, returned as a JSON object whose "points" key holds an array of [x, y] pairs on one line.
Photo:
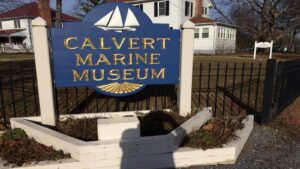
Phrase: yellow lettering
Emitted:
{"points": [[118, 46], [119, 57], [130, 59], [78, 77], [87, 43], [138, 74], [148, 42], [101, 76], [133, 43], [127, 74], [80, 61], [141, 58], [163, 42], [102, 44], [67, 43], [154, 60], [160, 74], [115, 73], [103, 59]]}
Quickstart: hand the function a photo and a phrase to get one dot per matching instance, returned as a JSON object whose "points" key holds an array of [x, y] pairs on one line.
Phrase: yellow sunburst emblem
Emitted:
{"points": [[120, 88]]}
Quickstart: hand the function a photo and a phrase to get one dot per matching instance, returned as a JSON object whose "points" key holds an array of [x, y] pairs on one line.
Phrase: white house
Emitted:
{"points": [[211, 37], [15, 27]]}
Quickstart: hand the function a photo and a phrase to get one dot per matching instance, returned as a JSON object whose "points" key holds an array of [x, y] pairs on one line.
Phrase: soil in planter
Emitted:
{"points": [[215, 132], [160, 122], [152, 123], [83, 128], [16, 148]]}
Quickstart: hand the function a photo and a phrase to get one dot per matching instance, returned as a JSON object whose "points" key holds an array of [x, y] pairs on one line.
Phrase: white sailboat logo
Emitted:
{"points": [[113, 21]]}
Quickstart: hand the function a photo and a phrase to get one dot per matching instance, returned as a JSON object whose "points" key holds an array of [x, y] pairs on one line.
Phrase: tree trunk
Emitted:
{"points": [[292, 41], [58, 22]]}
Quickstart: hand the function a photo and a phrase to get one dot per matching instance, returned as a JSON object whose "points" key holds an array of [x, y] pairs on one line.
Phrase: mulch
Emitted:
{"points": [[16, 148], [215, 133], [151, 124]]}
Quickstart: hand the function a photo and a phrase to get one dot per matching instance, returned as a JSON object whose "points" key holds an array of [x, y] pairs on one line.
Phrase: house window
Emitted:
{"points": [[140, 6], [219, 33], [162, 8], [196, 34], [17, 24], [204, 11], [205, 32], [1, 25], [223, 33], [187, 8]]}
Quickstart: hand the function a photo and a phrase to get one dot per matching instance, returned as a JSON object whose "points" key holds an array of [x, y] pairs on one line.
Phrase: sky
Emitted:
{"points": [[67, 5]]}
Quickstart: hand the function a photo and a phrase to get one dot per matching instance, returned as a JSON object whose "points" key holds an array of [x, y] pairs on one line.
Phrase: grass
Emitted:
{"points": [[209, 75], [18, 56]]}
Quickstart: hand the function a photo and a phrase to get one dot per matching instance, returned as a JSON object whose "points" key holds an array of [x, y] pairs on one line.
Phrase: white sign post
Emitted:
{"points": [[43, 71], [263, 45], [186, 68]]}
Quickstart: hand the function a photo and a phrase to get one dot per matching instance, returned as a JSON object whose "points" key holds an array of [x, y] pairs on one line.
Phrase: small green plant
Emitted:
{"points": [[14, 134], [208, 138]]}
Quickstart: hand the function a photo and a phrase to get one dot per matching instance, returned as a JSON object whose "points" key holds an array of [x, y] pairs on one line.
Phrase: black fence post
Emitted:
{"points": [[268, 90], [2, 105]]}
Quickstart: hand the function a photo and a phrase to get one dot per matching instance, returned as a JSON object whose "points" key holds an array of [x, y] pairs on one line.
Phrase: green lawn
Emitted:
{"points": [[17, 56]]}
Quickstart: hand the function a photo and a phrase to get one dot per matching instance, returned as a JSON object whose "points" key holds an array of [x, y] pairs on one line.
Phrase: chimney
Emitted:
{"points": [[45, 11], [198, 8]]}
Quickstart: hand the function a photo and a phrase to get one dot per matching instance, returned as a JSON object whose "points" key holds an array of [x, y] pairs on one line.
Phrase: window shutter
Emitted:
{"points": [[155, 9], [192, 9], [141, 7], [186, 11], [167, 8]]}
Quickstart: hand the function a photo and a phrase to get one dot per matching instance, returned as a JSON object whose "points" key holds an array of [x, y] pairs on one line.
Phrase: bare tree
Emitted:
{"points": [[262, 19], [6, 5], [58, 22], [82, 7]]}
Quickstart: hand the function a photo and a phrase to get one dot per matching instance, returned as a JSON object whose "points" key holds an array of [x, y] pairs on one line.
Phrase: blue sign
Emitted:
{"points": [[116, 50]]}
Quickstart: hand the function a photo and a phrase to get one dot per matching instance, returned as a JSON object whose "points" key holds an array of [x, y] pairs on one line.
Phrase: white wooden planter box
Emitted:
{"points": [[144, 152]]}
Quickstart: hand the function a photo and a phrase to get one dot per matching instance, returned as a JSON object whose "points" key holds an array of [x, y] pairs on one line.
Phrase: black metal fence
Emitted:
{"points": [[19, 96], [287, 86], [229, 87], [262, 88]]}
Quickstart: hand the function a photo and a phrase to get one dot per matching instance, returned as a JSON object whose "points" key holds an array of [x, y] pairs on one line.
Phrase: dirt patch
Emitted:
{"points": [[215, 132], [16, 148], [160, 122], [83, 129], [289, 118], [153, 123]]}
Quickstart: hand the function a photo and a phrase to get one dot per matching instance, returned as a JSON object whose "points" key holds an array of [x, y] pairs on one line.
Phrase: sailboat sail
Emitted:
{"points": [[104, 21], [131, 19], [113, 21], [116, 19]]}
